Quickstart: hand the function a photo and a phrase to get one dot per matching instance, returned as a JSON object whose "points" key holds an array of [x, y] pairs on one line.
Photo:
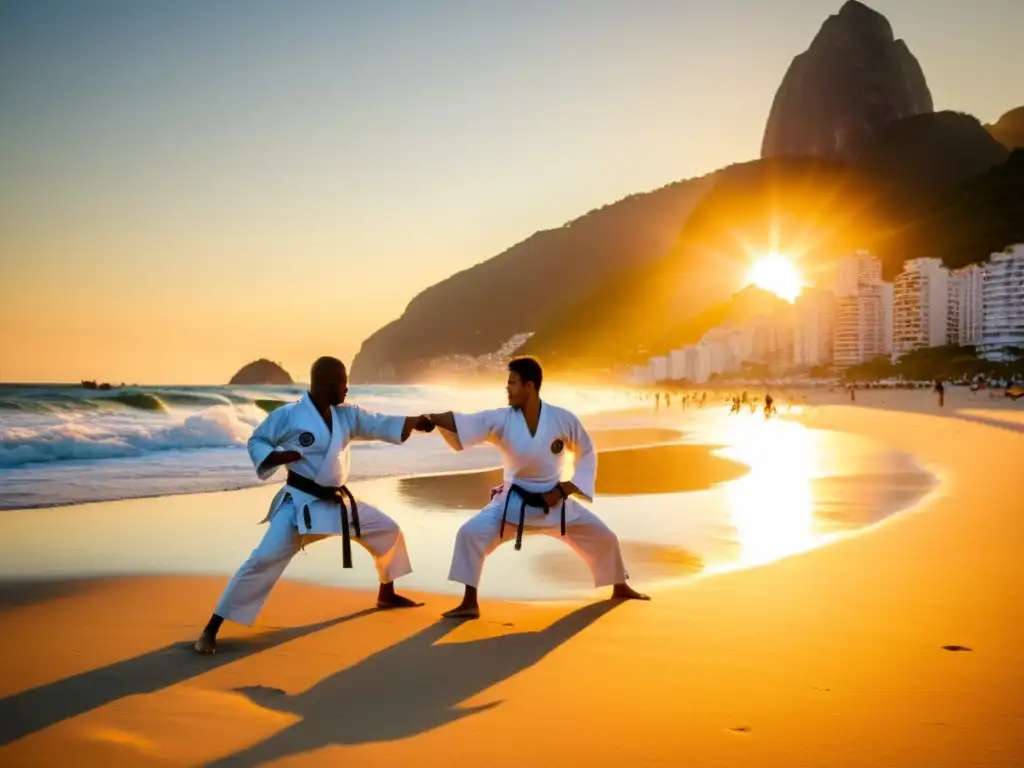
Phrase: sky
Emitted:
{"points": [[187, 186]]}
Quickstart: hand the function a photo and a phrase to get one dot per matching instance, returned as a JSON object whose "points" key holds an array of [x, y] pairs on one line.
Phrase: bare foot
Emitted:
{"points": [[206, 644], [626, 592], [463, 611], [396, 601]]}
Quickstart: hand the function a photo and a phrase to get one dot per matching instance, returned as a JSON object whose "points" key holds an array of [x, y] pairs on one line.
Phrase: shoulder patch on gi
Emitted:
{"points": [[557, 446], [306, 439]]}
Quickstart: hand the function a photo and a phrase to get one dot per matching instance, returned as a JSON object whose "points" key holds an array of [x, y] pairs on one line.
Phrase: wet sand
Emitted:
{"points": [[898, 647], [623, 472], [678, 509]]}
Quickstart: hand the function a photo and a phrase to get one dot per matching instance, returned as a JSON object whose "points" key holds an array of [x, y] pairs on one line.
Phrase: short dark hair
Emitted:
{"points": [[528, 369]]}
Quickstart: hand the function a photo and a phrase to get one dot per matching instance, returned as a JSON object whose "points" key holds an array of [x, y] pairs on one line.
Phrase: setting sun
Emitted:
{"points": [[778, 274]]}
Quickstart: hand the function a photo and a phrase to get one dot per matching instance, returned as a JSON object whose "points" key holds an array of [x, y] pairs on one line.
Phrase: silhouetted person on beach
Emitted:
{"points": [[941, 390]]}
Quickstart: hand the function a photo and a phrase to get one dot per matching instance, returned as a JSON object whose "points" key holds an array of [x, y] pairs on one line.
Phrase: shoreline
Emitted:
{"points": [[652, 436], [895, 647], [681, 510]]}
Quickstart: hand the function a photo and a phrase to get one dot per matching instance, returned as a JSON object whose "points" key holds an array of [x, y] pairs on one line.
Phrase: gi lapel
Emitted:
{"points": [[323, 475], [315, 421]]}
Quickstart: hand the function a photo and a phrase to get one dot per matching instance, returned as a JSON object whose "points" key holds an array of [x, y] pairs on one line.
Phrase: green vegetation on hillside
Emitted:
{"points": [[971, 222], [948, 363]]}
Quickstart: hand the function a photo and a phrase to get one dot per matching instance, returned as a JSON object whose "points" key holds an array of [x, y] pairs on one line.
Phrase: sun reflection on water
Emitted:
{"points": [[772, 507]]}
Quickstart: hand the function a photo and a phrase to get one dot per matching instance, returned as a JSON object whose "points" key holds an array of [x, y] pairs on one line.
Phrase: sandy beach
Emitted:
{"points": [[897, 646]]}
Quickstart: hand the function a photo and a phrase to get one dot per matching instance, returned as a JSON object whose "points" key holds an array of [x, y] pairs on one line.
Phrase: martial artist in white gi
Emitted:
{"points": [[312, 437], [533, 437]]}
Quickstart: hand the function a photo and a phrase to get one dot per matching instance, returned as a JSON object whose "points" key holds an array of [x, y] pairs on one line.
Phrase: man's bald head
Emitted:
{"points": [[327, 368], [328, 381]]}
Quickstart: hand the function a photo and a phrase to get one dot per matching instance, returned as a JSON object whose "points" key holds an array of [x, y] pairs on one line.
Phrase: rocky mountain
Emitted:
{"points": [[911, 163], [476, 311], [969, 222], [261, 372], [813, 209], [1009, 129], [854, 78], [854, 157], [796, 205]]}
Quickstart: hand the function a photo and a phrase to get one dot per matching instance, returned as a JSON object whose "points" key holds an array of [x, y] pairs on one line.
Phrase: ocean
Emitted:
{"points": [[62, 444]]}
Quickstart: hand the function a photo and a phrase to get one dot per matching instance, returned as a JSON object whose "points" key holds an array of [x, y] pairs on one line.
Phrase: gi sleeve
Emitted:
{"points": [[267, 438], [376, 426], [476, 428], [584, 459]]}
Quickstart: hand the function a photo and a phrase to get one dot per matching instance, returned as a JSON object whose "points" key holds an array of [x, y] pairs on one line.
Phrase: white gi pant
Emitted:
{"points": [[249, 587], [585, 532]]}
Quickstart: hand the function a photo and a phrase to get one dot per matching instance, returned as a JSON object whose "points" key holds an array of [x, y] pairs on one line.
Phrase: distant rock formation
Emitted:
{"points": [[854, 78], [1009, 129], [105, 387], [261, 372]]}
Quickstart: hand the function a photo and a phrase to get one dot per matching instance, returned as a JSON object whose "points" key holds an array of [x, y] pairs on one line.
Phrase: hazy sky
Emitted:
{"points": [[185, 186]]}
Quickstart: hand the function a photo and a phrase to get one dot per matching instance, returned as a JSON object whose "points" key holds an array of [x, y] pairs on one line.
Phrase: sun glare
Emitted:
{"points": [[778, 274]]}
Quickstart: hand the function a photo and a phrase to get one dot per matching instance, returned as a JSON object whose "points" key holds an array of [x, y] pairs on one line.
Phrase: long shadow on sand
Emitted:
{"points": [[37, 708], [409, 688], [17, 594], [997, 423]]}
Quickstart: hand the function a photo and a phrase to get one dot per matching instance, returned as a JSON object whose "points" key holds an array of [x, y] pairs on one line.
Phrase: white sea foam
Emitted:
{"points": [[65, 445]]}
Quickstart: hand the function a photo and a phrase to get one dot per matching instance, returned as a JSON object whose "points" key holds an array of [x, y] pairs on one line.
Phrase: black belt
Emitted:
{"points": [[528, 500], [338, 495]]}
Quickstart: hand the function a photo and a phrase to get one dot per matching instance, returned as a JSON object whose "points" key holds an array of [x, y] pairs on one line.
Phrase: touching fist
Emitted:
{"points": [[424, 424]]}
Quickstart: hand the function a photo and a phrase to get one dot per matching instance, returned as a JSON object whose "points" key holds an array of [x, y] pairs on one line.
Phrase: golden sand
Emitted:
{"points": [[855, 654]]}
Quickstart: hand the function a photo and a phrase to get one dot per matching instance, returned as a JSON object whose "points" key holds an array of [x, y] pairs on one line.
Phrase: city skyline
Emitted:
{"points": [[862, 317]]}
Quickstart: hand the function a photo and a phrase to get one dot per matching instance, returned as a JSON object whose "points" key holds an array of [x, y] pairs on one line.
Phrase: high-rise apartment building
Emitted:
{"points": [[863, 311], [920, 306], [1003, 303], [813, 327]]}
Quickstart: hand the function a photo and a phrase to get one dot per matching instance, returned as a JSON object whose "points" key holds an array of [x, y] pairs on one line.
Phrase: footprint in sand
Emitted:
{"points": [[956, 648], [742, 729], [264, 690]]}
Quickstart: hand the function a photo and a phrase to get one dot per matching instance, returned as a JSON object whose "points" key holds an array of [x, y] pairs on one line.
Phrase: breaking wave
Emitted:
{"points": [[45, 424], [73, 438]]}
